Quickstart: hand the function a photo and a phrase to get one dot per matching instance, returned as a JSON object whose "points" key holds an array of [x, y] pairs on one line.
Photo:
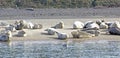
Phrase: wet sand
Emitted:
{"points": [[40, 34]]}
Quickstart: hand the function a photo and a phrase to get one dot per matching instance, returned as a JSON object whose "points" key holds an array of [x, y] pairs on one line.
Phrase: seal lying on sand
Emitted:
{"points": [[22, 33], [37, 26], [99, 21], [109, 24], [51, 31], [62, 36], [60, 25], [114, 28], [103, 25], [4, 38], [82, 34], [19, 25], [91, 25], [5, 35], [78, 24], [22, 24], [3, 24], [114, 31], [30, 25], [10, 28], [8, 33], [75, 34], [95, 32]]}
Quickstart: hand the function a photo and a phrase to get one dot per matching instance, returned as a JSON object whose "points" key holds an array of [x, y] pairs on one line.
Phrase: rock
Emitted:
{"points": [[91, 25], [22, 33], [60, 25], [51, 31], [37, 26], [78, 24], [103, 26], [62, 36]]}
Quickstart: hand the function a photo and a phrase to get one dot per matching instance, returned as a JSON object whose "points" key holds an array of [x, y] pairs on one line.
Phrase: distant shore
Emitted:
{"points": [[52, 13]]}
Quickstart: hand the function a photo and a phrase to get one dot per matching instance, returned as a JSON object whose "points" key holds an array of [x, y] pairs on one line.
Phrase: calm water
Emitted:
{"points": [[57, 49]]}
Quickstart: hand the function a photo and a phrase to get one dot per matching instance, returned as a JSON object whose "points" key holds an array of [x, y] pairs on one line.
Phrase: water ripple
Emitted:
{"points": [[56, 49]]}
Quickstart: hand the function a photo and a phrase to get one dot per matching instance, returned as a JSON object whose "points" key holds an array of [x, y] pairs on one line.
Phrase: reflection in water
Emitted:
{"points": [[54, 49]]}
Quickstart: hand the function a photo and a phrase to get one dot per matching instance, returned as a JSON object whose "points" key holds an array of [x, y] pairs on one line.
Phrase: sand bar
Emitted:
{"points": [[40, 34]]}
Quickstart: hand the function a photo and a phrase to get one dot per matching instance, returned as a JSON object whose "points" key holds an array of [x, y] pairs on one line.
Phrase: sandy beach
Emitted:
{"points": [[40, 34]]}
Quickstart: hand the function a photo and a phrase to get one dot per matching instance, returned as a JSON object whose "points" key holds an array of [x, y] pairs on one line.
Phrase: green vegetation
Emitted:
{"points": [[58, 3]]}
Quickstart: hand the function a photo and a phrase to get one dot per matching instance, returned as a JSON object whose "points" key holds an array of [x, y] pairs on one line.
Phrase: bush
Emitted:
{"points": [[59, 3]]}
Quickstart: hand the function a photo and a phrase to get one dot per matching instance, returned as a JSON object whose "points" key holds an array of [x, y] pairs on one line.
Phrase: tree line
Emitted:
{"points": [[58, 3]]}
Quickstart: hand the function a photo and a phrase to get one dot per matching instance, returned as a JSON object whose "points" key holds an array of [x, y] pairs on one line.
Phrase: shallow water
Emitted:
{"points": [[56, 49]]}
